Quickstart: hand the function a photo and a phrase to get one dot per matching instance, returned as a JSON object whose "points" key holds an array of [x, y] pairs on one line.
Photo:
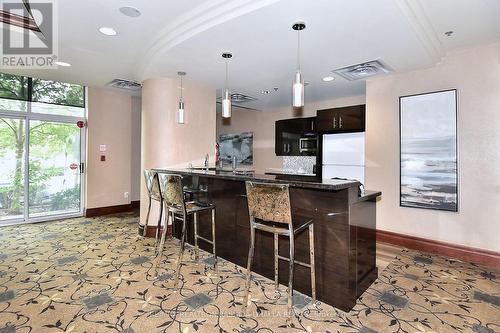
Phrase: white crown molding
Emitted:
{"points": [[416, 16], [201, 18]]}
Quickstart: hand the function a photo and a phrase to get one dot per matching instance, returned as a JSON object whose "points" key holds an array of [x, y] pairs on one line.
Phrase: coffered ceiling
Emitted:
{"points": [[190, 35]]}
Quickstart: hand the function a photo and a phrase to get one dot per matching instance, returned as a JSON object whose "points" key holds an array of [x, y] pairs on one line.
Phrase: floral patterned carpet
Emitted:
{"points": [[97, 275]]}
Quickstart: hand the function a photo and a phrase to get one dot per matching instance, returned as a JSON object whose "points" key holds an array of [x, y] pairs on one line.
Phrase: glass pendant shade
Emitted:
{"points": [[181, 114], [298, 91], [226, 105]]}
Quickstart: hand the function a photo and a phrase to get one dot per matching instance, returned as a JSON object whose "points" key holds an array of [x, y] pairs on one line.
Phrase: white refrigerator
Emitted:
{"points": [[344, 156]]}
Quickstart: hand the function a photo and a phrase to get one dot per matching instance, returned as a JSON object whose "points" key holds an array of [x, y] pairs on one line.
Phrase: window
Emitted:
{"points": [[41, 149], [18, 93], [13, 87], [60, 93], [13, 92]]}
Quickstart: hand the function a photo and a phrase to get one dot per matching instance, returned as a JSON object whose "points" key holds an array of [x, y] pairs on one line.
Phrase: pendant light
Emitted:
{"points": [[298, 82], [181, 111], [226, 98]]}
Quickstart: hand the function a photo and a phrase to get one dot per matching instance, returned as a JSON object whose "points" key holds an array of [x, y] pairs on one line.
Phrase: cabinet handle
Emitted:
{"points": [[312, 125], [340, 122], [284, 148], [334, 122]]}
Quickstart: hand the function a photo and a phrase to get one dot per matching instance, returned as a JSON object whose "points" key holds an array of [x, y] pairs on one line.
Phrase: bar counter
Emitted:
{"points": [[344, 223]]}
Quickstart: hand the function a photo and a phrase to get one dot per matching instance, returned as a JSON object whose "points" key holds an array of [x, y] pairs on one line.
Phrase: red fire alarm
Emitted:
{"points": [[103, 158]]}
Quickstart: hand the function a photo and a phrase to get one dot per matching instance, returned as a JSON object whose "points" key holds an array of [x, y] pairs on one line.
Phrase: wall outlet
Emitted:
{"points": [[125, 195]]}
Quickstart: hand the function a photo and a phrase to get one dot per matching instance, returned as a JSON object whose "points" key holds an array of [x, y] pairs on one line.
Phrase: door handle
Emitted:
{"points": [[340, 122], [82, 167], [334, 122]]}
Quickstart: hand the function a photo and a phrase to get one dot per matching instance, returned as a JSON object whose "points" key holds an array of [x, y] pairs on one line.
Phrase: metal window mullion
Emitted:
{"points": [[82, 174], [26, 165]]}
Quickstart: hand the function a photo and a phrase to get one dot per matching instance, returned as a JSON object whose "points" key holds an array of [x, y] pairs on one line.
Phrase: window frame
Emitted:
{"points": [[29, 95]]}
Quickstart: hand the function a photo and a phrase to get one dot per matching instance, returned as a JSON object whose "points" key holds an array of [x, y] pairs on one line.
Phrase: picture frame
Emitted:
{"points": [[239, 145], [428, 137]]}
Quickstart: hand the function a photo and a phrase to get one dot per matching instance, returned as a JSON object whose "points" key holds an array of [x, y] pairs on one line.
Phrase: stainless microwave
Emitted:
{"points": [[308, 144]]}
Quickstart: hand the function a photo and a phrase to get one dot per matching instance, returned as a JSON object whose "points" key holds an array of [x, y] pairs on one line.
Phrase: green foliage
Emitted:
{"points": [[13, 86], [68, 199], [57, 92]]}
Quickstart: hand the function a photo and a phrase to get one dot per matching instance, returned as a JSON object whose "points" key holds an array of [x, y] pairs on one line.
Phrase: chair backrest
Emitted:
{"points": [[269, 202], [171, 189], [152, 184]]}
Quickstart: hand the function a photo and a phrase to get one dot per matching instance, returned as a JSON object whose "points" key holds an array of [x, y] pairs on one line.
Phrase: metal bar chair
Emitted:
{"points": [[153, 188], [177, 208], [270, 211]]}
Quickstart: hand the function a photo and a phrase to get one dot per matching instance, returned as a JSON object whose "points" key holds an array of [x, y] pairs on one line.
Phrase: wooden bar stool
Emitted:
{"points": [[177, 208], [153, 188], [270, 211]]}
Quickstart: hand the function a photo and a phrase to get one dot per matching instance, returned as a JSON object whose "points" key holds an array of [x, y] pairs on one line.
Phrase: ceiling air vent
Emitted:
{"points": [[240, 98], [125, 84], [363, 70]]}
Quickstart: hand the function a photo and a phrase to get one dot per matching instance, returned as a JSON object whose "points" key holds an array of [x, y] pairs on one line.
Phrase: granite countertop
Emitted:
{"points": [[332, 185]]}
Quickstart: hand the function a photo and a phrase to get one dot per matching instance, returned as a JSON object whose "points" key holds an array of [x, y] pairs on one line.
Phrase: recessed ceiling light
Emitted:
{"points": [[108, 31], [130, 11], [328, 78], [62, 63]]}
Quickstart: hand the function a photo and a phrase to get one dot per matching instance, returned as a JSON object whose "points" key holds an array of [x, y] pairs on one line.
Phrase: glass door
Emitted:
{"points": [[54, 169], [12, 168], [41, 149]]}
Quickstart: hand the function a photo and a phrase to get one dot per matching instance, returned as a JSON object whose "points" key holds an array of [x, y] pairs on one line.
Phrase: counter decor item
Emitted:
{"points": [[428, 150], [236, 145]]}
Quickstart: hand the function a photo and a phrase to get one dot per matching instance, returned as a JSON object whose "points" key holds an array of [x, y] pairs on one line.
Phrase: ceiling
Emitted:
{"points": [[190, 35]]}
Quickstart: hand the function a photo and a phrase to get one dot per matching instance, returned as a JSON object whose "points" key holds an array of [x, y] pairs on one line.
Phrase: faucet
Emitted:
{"points": [[206, 162]]}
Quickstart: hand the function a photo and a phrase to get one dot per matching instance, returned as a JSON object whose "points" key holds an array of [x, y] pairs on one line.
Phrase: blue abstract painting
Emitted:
{"points": [[238, 145], [428, 130]]}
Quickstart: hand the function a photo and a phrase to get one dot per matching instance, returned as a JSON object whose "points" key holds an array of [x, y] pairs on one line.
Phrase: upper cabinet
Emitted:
{"points": [[344, 119], [288, 133]]}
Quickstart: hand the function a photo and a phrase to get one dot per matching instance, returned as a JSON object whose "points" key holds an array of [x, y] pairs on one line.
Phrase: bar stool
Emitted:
{"points": [[176, 207], [153, 188], [270, 211]]}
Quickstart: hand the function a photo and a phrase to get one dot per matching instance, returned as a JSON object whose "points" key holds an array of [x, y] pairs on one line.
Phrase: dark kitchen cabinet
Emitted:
{"points": [[344, 119], [288, 133]]}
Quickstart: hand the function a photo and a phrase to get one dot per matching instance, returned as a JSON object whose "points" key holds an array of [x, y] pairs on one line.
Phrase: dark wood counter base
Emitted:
{"points": [[345, 256]]}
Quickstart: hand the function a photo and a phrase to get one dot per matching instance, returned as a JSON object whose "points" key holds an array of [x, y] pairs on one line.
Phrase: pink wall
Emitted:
{"points": [[110, 122], [476, 75], [166, 143]]}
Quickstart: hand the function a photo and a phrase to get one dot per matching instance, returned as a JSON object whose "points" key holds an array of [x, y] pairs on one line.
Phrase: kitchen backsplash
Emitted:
{"points": [[299, 164]]}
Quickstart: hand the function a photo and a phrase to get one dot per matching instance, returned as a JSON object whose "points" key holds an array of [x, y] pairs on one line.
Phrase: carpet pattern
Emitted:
{"points": [[97, 275]]}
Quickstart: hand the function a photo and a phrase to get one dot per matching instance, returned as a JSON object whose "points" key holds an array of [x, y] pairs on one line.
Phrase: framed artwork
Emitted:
{"points": [[428, 150], [239, 145]]}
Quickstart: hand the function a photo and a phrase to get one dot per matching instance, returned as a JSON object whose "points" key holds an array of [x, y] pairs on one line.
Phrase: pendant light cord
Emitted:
{"points": [[181, 88], [298, 50], [226, 74]]}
